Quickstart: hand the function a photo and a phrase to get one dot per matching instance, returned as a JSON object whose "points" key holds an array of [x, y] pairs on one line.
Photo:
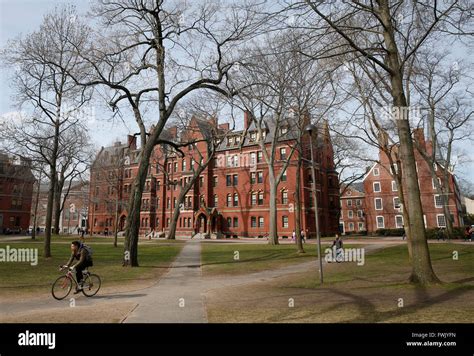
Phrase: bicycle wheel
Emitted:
{"points": [[61, 287], [340, 256], [91, 285]]}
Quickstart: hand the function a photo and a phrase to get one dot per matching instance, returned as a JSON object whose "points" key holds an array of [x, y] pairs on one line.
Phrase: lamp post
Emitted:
{"points": [[310, 128]]}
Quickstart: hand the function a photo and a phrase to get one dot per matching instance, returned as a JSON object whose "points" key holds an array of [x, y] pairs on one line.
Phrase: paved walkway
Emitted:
{"points": [[177, 298]]}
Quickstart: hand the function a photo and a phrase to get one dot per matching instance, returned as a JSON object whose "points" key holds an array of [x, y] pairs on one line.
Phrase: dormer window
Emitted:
{"points": [[230, 141], [283, 130], [253, 136]]}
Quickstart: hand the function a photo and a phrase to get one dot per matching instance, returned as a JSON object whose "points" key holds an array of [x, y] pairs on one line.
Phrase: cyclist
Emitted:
{"points": [[83, 254], [337, 245]]}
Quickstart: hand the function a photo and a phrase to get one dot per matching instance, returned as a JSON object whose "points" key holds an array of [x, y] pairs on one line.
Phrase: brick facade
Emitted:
{"points": [[381, 203], [16, 190], [231, 197]]}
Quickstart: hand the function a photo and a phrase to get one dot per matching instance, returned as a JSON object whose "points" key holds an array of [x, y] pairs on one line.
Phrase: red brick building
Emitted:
{"points": [[353, 211], [16, 190], [231, 196], [382, 204]]}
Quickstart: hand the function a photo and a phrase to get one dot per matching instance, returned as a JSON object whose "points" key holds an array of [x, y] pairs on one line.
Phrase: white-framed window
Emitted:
{"points": [[376, 172], [349, 202], [396, 203], [438, 199], [399, 221], [361, 226], [441, 220], [396, 168], [284, 221], [253, 158], [358, 202], [380, 222], [350, 214], [378, 204], [377, 188], [394, 186], [433, 182], [435, 166], [351, 226], [360, 213]]}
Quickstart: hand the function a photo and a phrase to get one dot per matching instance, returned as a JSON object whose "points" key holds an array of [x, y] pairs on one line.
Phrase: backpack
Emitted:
{"points": [[89, 250]]}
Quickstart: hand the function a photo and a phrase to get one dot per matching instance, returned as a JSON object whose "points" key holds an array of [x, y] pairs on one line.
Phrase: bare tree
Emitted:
{"points": [[388, 35], [447, 116], [43, 62], [152, 54]]}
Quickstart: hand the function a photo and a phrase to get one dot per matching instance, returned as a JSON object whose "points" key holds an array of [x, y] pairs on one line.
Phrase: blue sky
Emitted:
{"points": [[23, 16]]}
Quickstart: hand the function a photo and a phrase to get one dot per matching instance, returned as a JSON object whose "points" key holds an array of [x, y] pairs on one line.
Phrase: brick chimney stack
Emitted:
{"points": [[173, 131], [132, 142], [419, 136]]}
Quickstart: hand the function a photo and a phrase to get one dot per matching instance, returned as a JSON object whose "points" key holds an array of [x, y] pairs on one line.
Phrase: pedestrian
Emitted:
{"points": [[302, 236], [467, 231], [440, 234], [82, 233], [293, 236]]}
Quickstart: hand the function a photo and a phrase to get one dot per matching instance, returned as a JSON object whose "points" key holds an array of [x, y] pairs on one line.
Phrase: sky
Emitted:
{"points": [[19, 17]]}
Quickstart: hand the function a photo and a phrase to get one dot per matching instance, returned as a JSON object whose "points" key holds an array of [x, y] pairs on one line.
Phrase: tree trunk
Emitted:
{"points": [[57, 208], [116, 220], [35, 214], [273, 232], [299, 241], [422, 271], [133, 218], [49, 213]]}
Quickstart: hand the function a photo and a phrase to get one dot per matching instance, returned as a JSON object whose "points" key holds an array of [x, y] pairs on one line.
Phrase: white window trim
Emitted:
{"points": [[375, 203], [396, 225], [433, 182], [400, 204], [394, 186], [361, 226], [436, 205], [373, 187], [376, 169], [377, 222], [437, 221], [350, 214]]}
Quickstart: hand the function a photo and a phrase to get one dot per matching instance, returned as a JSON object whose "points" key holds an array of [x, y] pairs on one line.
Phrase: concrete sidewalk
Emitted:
{"points": [[177, 298]]}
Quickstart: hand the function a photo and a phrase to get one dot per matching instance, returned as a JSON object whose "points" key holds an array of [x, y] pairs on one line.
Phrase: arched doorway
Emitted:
{"points": [[202, 223]]}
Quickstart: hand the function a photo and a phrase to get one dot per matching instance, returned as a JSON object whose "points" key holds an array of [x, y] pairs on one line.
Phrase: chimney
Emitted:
{"points": [[419, 136], [247, 119], [132, 142], [173, 131], [225, 126]]}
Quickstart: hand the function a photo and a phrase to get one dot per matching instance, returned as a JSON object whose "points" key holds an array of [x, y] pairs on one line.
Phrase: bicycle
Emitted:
{"points": [[62, 285]]}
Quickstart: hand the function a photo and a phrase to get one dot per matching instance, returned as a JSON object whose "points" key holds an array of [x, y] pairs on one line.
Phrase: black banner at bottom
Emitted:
{"points": [[66, 339]]}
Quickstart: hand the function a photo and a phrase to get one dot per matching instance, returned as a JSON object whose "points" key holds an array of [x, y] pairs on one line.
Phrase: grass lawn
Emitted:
{"points": [[218, 258], [375, 292], [22, 277]]}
